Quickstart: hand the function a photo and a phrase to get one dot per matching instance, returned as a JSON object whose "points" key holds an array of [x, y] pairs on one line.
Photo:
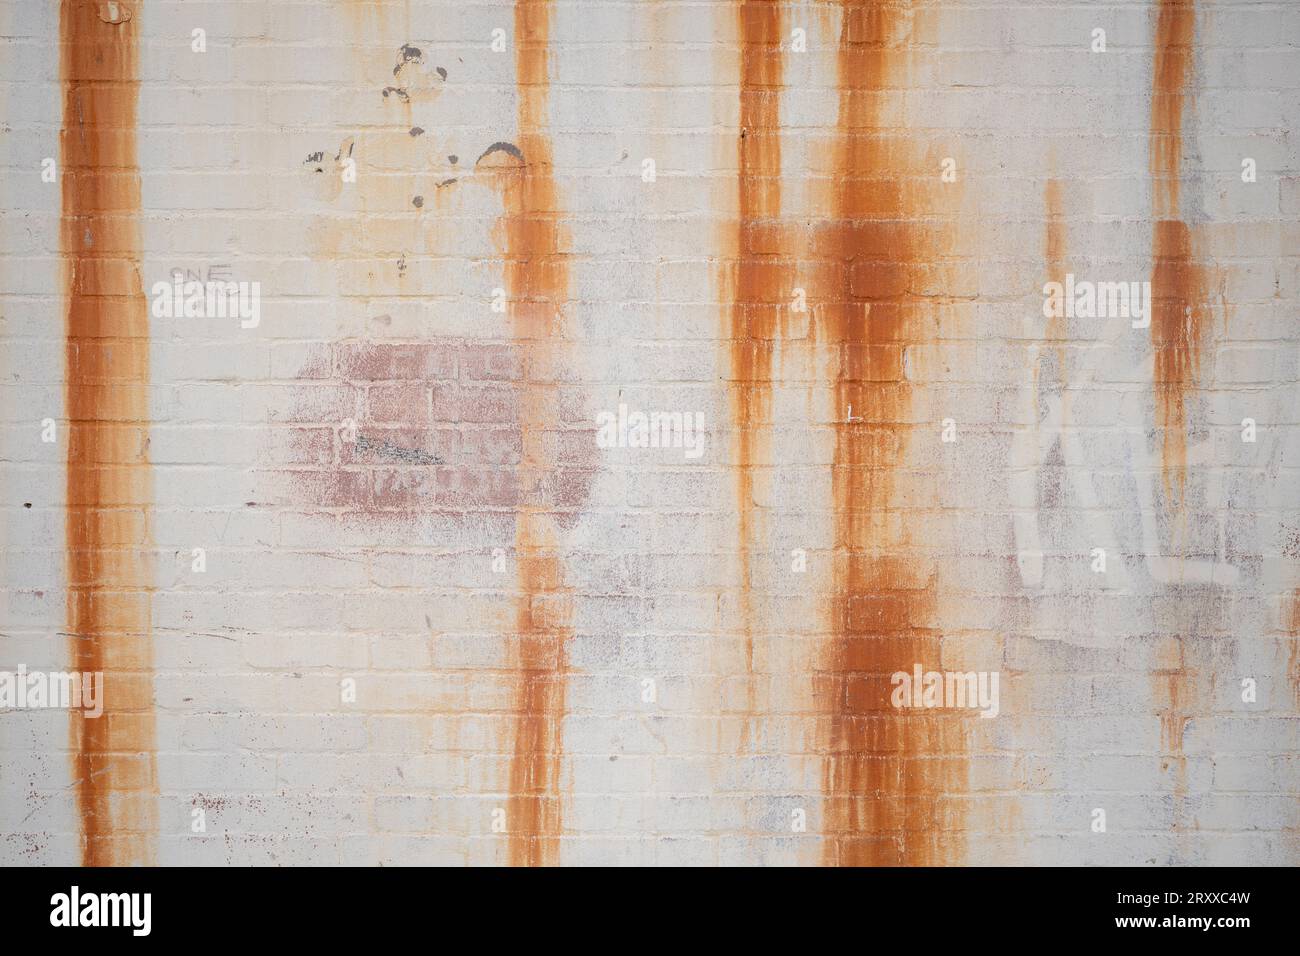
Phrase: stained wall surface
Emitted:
{"points": [[382, 573]]}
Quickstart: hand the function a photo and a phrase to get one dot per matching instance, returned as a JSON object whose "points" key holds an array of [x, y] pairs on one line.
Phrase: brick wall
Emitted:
{"points": [[380, 573]]}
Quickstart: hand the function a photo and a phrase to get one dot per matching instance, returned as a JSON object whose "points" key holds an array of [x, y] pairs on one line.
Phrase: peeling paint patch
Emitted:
{"points": [[407, 54], [114, 12], [109, 485]]}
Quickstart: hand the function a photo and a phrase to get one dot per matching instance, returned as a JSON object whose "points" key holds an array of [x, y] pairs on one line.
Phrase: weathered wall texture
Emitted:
{"points": [[368, 584]]}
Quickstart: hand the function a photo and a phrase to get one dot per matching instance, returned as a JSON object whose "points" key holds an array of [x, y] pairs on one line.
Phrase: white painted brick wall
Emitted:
{"points": [[379, 311]]}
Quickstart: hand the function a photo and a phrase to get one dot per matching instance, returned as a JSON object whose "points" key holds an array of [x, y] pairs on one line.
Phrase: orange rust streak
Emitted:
{"points": [[1054, 250], [1178, 306], [106, 395], [1055, 255], [763, 277], [886, 771], [1177, 280], [1293, 658], [537, 280], [1175, 34]]}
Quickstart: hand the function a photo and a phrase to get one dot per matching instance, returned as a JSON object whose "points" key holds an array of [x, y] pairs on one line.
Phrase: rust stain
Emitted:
{"points": [[471, 431], [1054, 248], [1180, 304], [109, 486], [1174, 692], [1054, 253], [1175, 35], [886, 772], [1293, 658], [763, 279], [537, 281], [1179, 301]]}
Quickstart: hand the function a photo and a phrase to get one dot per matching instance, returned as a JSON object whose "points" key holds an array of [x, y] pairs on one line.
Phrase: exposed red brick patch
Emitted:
{"points": [[109, 486], [887, 774]]}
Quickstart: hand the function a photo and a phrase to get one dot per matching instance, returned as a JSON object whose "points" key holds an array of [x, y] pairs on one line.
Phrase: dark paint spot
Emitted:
{"points": [[407, 54], [510, 149]]}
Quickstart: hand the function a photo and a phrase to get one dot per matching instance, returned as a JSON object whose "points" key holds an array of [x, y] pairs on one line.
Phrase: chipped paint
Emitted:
{"points": [[109, 485], [885, 773]]}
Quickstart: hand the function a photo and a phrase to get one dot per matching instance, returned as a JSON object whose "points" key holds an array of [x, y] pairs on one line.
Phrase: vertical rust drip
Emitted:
{"points": [[1179, 303], [1177, 280], [763, 278], [537, 281], [1054, 244], [106, 395], [1293, 657], [1054, 251], [887, 772]]}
